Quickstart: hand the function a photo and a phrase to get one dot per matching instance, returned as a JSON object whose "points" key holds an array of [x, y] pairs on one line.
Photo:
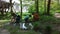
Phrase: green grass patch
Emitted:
{"points": [[16, 30], [4, 21]]}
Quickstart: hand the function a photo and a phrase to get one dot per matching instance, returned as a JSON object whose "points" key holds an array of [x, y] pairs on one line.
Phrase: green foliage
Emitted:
{"points": [[16, 30], [55, 32], [6, 16], [54, 7], [31, 8], [47, 19]]}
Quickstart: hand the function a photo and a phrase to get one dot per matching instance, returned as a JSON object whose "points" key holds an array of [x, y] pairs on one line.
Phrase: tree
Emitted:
{"points": [[58, 2], [48, 7], [44, 6], [21, 8], [11, 6], [36, 5], [2, 11]]}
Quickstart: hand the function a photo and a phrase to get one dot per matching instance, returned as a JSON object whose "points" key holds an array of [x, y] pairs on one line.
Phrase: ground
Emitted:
{"points": [[4, 31], [57, 15], [9, 31]]}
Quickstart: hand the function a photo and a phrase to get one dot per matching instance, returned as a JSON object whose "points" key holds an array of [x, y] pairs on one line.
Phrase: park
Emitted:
{"points": [[29, 16]]}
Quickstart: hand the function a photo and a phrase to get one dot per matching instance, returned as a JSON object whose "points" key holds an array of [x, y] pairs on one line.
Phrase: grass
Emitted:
{"points": [[44, 20], [55, 32], [4, 21], [16, 30]]}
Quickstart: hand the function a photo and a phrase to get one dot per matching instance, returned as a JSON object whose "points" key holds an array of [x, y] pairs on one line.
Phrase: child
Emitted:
{"points": [[13, 18], [28, 20], [35, 16], [18, 20]]}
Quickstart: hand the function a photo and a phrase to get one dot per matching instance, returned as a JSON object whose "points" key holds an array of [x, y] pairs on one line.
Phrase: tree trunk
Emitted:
{"points": [[37, 9], [2, 12], [11, 6], [58, 2], [5, 10], [44, 6], [48, 7], [21, 8], [36, 5]]}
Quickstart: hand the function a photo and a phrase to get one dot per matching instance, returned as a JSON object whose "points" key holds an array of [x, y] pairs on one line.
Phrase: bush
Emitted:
{"points": [[47, 19]]}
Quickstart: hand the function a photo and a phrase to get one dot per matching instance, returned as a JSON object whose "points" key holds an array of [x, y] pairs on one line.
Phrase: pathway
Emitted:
{"points": [[4, 31], [57, 26], [57, 15]]}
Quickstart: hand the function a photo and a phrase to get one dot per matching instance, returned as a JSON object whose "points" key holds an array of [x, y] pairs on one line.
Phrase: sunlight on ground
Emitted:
{"points": [[4, 21]]}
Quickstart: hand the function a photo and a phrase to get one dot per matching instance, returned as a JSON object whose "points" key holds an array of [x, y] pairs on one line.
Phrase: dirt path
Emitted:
{"points": [[57, 15], [57, 26], [4, 31]]}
